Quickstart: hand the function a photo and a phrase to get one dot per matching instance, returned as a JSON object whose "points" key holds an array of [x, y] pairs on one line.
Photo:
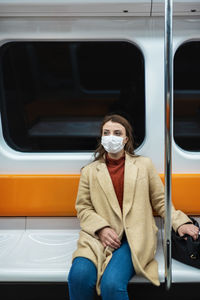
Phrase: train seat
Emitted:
{"points": [[36, 249], [39, 247]]}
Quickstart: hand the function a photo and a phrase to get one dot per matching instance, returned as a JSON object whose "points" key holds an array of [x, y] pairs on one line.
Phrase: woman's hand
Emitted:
{"points": [[109, 237], [189, 229]]}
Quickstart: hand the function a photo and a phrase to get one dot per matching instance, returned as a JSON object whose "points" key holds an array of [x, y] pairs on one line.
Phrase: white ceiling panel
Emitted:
{"points": [[180, 7], [75, 7]]}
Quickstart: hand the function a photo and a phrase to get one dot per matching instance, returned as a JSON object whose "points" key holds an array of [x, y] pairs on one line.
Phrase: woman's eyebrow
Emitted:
{"points": [[117, 130]]}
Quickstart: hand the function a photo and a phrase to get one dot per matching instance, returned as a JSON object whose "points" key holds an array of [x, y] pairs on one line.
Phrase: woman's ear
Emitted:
{"points": [[125, 139]]}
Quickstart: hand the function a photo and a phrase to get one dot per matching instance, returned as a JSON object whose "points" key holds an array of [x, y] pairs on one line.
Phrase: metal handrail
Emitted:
{"points": [[168, 69]]}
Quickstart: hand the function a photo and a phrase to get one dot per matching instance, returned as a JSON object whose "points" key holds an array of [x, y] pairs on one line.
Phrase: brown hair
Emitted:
{"points": [[100, 151]]}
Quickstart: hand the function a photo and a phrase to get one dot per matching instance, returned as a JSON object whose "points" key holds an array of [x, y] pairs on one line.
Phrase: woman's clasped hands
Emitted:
{"points": [[109, 237]]}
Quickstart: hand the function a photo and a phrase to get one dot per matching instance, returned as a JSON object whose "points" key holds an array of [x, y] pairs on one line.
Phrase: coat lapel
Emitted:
{"points": [[106, 184], [130, 178]]}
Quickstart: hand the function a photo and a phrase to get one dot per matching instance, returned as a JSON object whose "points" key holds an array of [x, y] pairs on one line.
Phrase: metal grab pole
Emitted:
{"points": [[168, 69]]}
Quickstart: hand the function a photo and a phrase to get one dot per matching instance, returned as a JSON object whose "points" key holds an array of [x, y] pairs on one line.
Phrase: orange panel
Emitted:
{"points": [[186, 192], [38, 195], [55, 195]]}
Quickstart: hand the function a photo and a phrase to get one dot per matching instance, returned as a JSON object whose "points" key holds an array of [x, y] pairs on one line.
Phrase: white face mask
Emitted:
{"points": [[112, 143]]}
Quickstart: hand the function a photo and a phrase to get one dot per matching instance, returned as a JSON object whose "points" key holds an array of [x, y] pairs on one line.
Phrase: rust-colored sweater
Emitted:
{"points": [[116, 170]]}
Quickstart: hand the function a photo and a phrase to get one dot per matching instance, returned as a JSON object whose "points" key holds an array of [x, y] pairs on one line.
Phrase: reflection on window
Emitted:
{"points": [[187, 96], [55, 94]]}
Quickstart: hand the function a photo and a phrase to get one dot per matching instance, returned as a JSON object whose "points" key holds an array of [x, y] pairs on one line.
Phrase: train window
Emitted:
{"points": [[55, 94], [187, 96]]}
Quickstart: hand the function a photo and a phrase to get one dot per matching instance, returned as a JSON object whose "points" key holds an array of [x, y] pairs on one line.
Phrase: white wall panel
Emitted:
{"points": [[147, 34]]}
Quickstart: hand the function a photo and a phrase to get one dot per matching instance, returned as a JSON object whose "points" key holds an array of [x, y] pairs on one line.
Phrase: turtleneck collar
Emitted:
{"points": [[112, 161]]}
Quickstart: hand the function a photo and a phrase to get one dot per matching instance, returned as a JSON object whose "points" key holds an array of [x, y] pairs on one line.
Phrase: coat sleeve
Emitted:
{"points": [[157, 197], [90, 221]]}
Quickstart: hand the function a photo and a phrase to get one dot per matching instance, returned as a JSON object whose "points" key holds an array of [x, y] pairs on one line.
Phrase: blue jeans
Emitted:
{"points": [[83, 276]]}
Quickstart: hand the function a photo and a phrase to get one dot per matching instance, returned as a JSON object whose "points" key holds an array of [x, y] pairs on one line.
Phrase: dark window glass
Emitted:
{"points": [[187, 96], [55, 94]]}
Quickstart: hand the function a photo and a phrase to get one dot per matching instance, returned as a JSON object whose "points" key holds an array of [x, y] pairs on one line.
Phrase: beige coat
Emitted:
{"points": [[97, 206]]}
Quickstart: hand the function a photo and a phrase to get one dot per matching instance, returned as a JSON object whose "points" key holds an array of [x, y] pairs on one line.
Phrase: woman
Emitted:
{"points": [[116, 195]]}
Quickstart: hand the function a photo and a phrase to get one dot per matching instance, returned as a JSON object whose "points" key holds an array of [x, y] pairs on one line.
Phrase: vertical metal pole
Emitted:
{"points": [[168, 69]]}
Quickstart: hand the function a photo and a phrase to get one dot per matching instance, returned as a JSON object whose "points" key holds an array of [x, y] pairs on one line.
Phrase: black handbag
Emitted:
{"points": [[186, 251]]}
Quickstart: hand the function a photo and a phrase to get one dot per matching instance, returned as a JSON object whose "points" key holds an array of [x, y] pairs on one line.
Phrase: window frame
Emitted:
{"points": [[79, 152], [177, 147]]}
